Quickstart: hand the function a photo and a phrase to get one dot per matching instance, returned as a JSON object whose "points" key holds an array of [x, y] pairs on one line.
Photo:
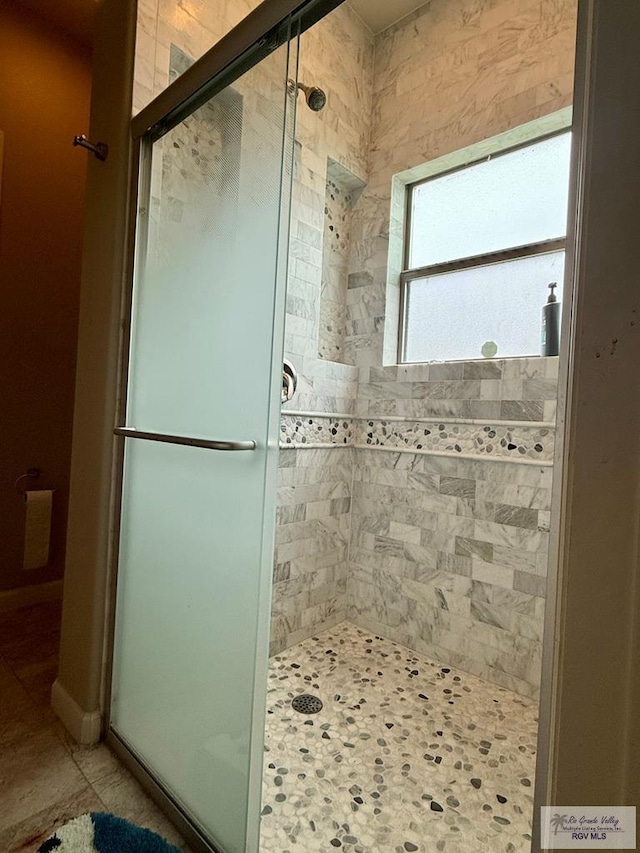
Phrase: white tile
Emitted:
{"points": [[492, 573]]}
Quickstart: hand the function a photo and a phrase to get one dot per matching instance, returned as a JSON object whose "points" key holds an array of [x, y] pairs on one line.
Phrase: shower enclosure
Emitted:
{"points": [[413, 500], [199, 429], [596, 523]]}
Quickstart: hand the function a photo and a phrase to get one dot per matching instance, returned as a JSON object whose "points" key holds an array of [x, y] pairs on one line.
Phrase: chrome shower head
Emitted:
{"points": [[316, 98]]}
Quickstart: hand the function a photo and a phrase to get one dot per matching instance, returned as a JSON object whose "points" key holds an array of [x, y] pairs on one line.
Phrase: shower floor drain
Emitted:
{"points": [[307, 704]]}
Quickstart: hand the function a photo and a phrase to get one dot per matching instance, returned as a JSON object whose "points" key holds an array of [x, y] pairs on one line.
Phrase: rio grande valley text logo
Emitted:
{"points": [[588, 827]]}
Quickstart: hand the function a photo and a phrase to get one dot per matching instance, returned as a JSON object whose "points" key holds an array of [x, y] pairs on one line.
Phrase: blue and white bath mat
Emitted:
{"points": [[104, 833]]}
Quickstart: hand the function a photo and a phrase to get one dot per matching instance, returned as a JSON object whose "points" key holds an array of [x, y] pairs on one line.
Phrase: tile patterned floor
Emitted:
{"points": [[45, 778], [406, 755]]}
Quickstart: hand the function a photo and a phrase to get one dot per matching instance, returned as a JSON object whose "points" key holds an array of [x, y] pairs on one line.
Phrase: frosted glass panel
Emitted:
{"points": [[194, 27], [450, 317], [188, 604], [512, 200], [212, 252], [196, 545]]}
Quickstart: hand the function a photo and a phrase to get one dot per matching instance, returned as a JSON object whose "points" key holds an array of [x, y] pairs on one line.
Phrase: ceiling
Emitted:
{"points": [[380, 14], [74, 17]]}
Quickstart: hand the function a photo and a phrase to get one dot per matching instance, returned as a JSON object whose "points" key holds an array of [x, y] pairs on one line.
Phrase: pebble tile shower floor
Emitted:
{"points": [[406, 755]]}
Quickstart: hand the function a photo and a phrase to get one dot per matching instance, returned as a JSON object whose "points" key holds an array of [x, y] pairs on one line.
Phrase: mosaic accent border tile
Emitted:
{"points": [[406, 755], [506, 441], [313, 430], [495, 440]]}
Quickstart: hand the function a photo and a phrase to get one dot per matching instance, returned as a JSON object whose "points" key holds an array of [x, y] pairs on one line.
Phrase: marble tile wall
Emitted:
{"points": [[448, 546], [312, 543], [193, 26], [448, 556], [448, 76], [518, 389], [337, 55], [453, 73], [332, 331], [524, 441], [314, 498]]}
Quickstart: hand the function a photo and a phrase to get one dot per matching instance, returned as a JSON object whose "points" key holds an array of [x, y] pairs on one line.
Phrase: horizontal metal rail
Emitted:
{"points": [[207, 444], [514, 254]]}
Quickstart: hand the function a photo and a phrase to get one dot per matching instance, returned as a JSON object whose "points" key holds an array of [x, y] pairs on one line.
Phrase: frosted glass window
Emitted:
{"points": [[453, 316], [511, 200]]}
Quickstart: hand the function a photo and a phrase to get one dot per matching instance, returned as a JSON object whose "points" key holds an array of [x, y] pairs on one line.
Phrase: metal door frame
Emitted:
{"points": [[269, 26]]}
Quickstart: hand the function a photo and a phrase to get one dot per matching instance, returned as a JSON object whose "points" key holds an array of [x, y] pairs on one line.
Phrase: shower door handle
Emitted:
{"points": [[207, 444]]}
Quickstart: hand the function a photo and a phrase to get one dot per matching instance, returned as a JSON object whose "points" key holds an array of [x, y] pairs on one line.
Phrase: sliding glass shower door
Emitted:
{"points": [[200, 446]]}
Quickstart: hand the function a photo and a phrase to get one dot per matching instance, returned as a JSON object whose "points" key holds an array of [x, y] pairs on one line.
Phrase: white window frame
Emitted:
{"points": [[398, 271]]}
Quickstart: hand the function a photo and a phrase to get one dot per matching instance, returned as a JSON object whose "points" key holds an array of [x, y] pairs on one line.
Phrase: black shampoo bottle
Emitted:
{"points": [[551, 323]]}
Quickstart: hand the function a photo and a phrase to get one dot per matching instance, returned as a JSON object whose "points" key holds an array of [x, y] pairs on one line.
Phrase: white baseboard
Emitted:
{"points": [[23, 596], [84, 726]]}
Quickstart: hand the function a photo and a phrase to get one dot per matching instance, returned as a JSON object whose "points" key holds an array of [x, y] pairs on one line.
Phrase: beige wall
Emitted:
{"points": [[44, 102], [76, 693]]}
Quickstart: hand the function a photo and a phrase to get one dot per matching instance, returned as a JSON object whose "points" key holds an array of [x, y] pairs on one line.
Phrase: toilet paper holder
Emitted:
{"points": [[32, 473]]}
